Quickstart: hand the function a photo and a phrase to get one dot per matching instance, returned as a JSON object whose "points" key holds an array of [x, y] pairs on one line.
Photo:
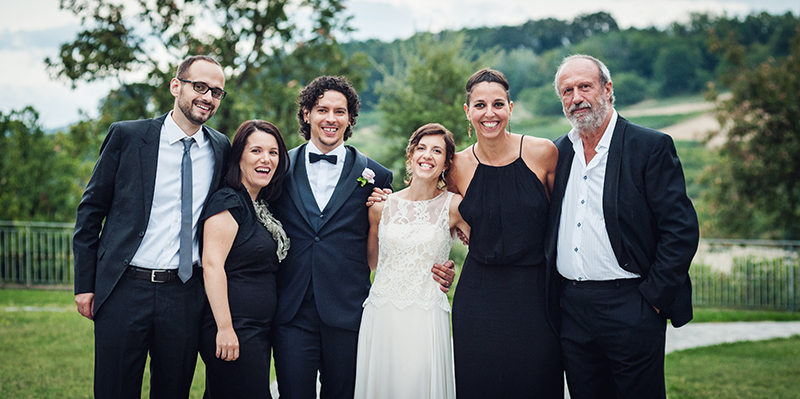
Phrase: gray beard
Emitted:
{"points": [[591, 122]]}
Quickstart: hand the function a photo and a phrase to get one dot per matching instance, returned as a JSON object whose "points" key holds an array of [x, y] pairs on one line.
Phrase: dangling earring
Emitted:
{"points": [[469, 128], [443, 170], [508, 126]]}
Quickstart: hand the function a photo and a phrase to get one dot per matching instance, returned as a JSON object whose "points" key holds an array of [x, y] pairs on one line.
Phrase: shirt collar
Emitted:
{"points": [[175, 133], [339, 151], [605, 141]]}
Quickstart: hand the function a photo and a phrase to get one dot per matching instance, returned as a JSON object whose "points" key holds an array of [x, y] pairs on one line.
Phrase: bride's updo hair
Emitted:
{"points": [[449, 148]]}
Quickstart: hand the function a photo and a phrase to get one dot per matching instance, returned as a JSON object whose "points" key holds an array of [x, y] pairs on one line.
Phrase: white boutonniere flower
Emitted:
{"points": [[367, 176]]}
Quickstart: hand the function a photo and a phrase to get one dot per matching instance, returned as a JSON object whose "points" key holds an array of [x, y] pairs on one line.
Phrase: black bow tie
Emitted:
{"points": [[316, 157]]}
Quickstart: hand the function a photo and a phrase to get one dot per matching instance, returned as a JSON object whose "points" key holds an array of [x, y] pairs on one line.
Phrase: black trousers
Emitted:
{"points": [[612, 341], [306, 345], [140, 317]]}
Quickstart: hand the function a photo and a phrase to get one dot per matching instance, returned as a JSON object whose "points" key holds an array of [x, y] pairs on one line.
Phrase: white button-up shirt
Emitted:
{"points": [[161, 242], [584, 249], [323, 175]]}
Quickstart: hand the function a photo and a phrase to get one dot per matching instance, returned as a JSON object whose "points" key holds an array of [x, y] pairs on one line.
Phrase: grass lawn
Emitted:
{"points": [[47, 350], [741, 370], [704, 315]]}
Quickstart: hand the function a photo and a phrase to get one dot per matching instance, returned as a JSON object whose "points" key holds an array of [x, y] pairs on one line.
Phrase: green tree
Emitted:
{"points": [[543, 101], [629, 88], [36, 171], [755, 189], [429, 87], [267, 57], [677, 66]]}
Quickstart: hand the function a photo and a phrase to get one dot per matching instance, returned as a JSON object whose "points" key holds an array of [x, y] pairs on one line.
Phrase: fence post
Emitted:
{"points": [[791, 278], [28, 269]]}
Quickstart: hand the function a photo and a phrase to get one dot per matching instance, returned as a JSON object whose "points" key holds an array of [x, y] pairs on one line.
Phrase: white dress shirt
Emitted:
{"points": [[323, 175], [584, 249], [161, 242]]}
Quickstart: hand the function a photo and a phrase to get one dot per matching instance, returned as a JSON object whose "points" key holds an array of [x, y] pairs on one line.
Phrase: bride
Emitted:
{"points": [[404, 345]]}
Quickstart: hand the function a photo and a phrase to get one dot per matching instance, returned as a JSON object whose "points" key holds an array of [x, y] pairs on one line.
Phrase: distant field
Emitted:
{"points": [[655, 114]]}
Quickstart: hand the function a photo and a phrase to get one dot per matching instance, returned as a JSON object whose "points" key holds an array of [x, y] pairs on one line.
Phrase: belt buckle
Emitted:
{"points": [[153, 276]]}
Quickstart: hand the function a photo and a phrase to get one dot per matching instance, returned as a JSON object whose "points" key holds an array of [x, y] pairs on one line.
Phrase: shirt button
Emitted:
{"points": [[579, 225], [584, 177], [582, 201], [321, 216], [316, 239], [576, 249]]}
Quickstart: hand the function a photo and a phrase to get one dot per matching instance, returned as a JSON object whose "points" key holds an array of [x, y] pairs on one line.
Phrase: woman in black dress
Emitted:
{"points": [[242, 247], [505, 344]]}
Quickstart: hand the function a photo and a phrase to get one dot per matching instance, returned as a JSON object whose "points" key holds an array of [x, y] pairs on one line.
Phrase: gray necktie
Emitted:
{"points": [[185, 252]]}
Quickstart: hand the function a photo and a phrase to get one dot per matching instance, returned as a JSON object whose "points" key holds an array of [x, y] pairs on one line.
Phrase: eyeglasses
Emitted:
{"points": [[203, 88]]}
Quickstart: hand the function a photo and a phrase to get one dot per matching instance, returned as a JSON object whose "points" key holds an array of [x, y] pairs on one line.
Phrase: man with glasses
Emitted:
{"points": [[137, 270]]}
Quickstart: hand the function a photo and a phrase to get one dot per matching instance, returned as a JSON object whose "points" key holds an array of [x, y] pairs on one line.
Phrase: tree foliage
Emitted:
{"points": [[37, 171], [757, 182], [267, 56], [429, 87]]}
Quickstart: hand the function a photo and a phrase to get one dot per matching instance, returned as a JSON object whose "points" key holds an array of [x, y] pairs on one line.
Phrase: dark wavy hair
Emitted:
{"points": [[233, 176], [310, 95], [487, 75], [430, 129]]}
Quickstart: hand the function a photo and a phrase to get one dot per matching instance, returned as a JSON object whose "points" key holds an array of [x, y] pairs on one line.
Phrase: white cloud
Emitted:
{"points": [[31, 30]]}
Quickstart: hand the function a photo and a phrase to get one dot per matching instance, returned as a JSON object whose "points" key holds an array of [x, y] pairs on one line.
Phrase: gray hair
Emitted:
{"points": [[605, 75]]}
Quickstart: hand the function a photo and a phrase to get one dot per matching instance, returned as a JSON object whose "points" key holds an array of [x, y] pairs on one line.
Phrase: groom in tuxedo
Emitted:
{"points": [[622, 236], [325, 278]]}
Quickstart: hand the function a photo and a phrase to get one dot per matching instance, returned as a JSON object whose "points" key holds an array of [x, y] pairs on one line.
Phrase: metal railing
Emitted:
{"points": [[36, 253], [747, 274]]}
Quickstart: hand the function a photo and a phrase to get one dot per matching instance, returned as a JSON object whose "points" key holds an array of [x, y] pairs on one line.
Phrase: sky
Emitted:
{"points": [[31, 30]]}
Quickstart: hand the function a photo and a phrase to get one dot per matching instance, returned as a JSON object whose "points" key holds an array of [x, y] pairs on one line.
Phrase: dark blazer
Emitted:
{"points": [[328, 247], [120, 192], [651, 223]]}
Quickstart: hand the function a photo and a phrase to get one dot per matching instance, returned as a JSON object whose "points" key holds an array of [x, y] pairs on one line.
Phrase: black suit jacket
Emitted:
{"points": [[120, 192], [651, 223], [328, 247]]}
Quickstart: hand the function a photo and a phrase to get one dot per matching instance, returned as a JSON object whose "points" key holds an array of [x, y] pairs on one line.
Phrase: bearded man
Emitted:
{"points": [[623, 234]]}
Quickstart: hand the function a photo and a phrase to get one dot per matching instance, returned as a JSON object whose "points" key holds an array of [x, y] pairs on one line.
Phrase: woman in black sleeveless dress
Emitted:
{"points": [[505, 343], [242, 247]]}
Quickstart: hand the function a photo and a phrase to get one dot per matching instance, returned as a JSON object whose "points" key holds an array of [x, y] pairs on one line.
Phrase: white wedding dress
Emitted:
{"points": [[404, 345]]}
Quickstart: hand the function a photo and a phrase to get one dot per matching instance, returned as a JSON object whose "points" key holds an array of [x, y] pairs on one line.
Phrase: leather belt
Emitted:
{"points": [[603, 284], [152, 275]]}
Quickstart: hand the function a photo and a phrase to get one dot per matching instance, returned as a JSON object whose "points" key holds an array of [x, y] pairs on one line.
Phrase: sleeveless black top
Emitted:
{"points": [[506, 208]]}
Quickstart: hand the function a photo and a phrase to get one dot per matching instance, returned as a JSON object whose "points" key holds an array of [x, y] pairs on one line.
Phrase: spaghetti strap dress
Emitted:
{"points": [[503, 343]]}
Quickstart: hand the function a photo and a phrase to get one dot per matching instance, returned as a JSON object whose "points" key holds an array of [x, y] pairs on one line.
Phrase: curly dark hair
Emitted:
{"points": [[309, 97], [233, 176]]}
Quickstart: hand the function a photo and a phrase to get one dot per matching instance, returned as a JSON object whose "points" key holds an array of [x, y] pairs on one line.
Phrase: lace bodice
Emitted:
{"points": [[412, 236]]}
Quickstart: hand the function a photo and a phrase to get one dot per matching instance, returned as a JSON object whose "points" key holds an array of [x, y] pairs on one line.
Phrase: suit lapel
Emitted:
{"points": [[355, 162], [219, 160], [148, 156], [611, 186], [297, 186], [566, 154]]}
